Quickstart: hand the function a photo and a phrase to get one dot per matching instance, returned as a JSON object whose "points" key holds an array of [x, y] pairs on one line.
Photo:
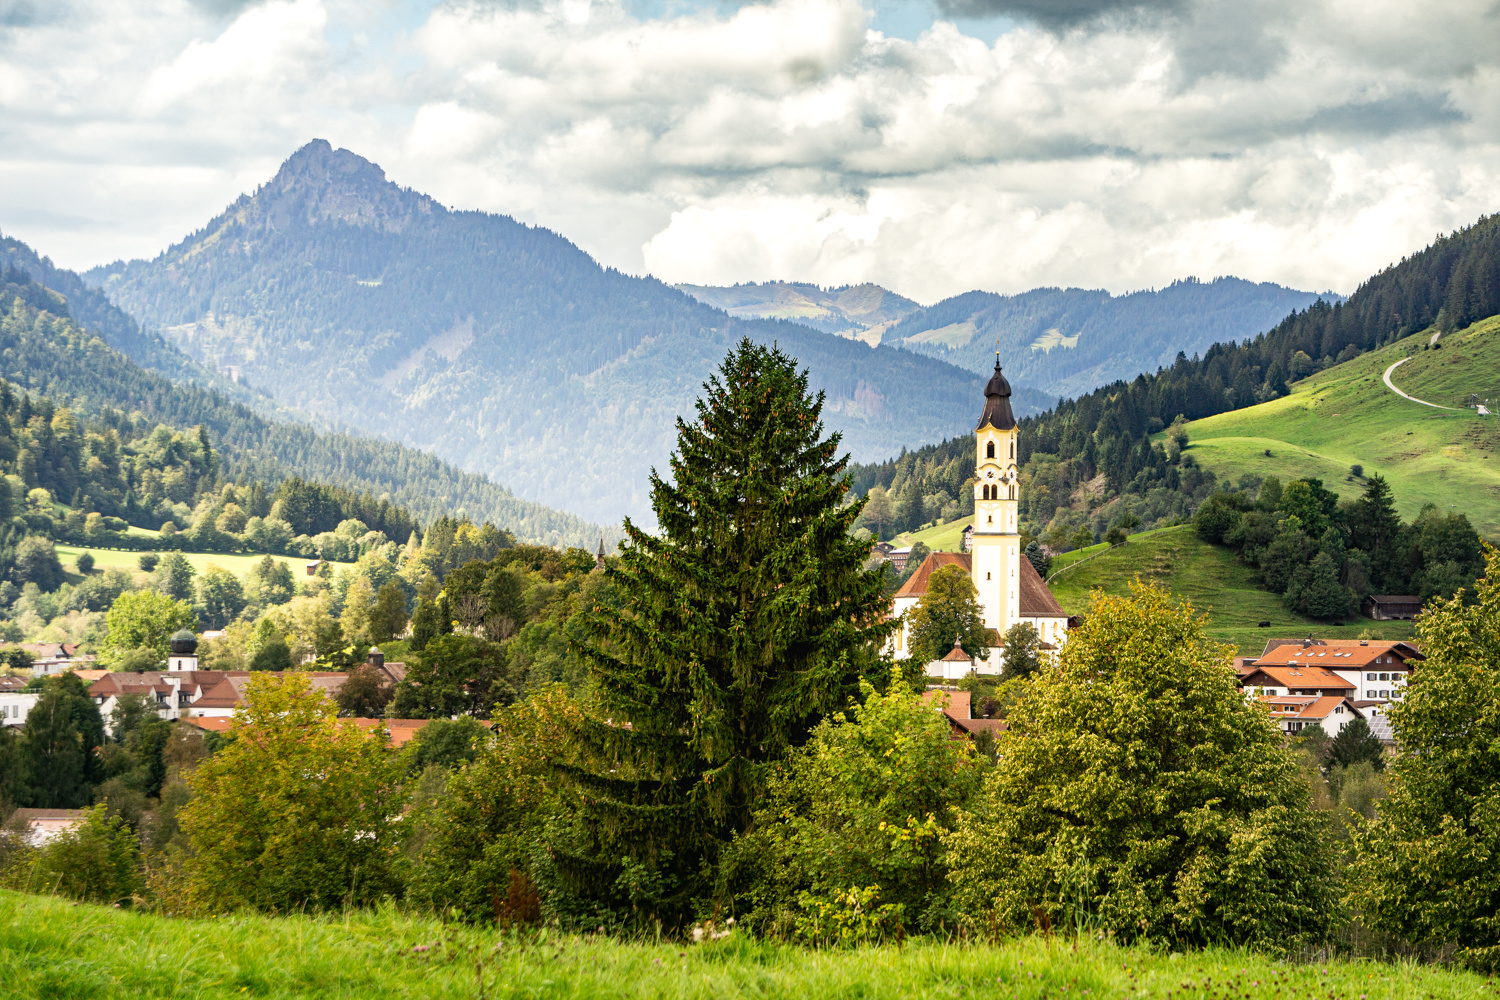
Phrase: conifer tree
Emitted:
{"points": [[736, 628]]}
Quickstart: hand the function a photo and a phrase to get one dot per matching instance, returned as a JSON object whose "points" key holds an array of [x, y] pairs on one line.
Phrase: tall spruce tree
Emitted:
{"points": [[739, 626]]}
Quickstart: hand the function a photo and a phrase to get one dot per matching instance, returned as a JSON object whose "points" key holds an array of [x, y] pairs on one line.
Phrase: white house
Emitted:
{"points": [[1009, 590], [1377, 671], [15, 704]]}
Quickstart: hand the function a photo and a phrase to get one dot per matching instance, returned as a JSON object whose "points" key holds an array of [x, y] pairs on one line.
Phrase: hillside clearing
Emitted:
{"points": [[1345, 416], [52, 948], [200, 561]]}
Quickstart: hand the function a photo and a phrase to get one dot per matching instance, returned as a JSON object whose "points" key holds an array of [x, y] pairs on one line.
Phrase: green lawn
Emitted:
{"points": [[51, 948], [105, 558], [1346, 415], [1216, 582]]}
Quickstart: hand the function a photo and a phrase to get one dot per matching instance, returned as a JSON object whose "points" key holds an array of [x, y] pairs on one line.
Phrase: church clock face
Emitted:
{"points": [[990, 474]]}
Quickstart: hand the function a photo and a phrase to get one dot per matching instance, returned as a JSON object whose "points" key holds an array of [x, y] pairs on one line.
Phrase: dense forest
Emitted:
{"points": [[44, 351], [495, 344], [1070, 341], [1090, 463]]}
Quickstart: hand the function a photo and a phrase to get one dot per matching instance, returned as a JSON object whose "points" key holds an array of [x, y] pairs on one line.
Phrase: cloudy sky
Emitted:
{"points": [[932, 146]]}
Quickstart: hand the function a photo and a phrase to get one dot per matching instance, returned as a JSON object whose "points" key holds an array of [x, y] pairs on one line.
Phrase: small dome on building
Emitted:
{"points": [[183, 643]]}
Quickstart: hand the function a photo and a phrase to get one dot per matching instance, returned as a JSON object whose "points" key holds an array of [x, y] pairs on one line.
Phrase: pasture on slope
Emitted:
{"points": [[1217, 584], [1345, 416], [50, 947]]}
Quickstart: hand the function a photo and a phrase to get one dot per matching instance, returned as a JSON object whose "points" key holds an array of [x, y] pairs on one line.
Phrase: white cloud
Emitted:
{"points": [[1306, 142]]}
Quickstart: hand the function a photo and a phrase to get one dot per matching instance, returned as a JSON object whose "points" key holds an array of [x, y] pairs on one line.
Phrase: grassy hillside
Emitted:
{"points": [[105, 558], [1346, 415], [52, 948], [939, 538], [1213, 579]]}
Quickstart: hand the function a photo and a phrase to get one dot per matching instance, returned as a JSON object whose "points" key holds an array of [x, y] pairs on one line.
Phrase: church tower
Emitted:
{"points": [[996, 542]]}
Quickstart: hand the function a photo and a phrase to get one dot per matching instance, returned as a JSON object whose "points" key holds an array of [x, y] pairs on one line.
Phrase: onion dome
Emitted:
{"points": [[183, 643], [997, 413]]}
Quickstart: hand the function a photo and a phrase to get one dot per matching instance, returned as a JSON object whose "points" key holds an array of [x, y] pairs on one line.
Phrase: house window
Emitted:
{"points": [[1385, 694], [1369, 677], [1385, 677], [989, 450]]}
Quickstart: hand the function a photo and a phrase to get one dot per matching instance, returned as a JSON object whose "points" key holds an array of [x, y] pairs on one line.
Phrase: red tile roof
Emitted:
{"points": [[1036, 600], [1296, 678], [1336, 653], [916, 584]]}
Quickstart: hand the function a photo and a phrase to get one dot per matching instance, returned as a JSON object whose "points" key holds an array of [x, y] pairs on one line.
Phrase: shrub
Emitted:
{"points": [[85, 563], [148, 561], [1136, 791], [848, 845], [479, 844], [97, 861]]}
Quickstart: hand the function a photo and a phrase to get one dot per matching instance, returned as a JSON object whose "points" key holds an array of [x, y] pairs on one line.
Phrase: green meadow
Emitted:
{"points": [[200, 561], [51, 948], [1346, 416], [1216, 582]]}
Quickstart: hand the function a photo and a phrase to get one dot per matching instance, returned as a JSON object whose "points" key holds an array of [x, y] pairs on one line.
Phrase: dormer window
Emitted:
{"points": [[989, 450]]}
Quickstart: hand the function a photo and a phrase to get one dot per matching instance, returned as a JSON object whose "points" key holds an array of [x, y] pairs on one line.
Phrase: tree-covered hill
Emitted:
{"points": [[44, 350], [499, 346], [1091, 459], [1070, 341]]}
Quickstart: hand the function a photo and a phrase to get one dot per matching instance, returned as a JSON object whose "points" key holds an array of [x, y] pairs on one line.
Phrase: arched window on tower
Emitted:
{"points": [[1013, 448], [989, 450], [1012, 491]]}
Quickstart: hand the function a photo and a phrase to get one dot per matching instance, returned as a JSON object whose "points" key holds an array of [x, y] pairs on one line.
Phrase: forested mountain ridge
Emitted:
{"points": [[44, 350], [1091, 461], [1071, 341], [500, 346], [91, 309]]}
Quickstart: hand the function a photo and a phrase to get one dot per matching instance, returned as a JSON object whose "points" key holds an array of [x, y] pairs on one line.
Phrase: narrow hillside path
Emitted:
{"points": [[1392, 386]]}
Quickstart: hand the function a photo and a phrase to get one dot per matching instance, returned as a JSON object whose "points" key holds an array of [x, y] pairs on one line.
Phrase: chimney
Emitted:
{"points": [[377, 658]]}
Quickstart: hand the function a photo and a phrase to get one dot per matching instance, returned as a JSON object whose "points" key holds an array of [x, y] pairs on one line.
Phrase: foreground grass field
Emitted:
{"points": [[52, 948], [1216, 582], [1346, 416]]}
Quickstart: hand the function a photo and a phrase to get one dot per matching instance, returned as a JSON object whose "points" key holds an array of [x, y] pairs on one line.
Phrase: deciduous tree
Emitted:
{"points": [[948, 611], [1137, 791], [1428, 868], [298, 810]]}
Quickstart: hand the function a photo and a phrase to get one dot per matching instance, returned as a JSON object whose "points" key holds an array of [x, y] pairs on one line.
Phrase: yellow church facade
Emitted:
{"points": [[1009, 590]]}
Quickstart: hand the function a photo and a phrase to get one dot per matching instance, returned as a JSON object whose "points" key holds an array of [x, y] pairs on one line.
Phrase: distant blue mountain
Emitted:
{"points": [[1070, 341], [498, 346]]}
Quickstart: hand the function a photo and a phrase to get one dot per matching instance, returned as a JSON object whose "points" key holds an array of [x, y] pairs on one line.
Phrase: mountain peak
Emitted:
{"points": [[318, 184]]}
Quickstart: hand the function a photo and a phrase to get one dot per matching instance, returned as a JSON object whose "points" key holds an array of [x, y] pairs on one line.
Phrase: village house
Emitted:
{"points": [[187, 693], [1376, 671], [51, 658], [958, 710], [42, 825], [1009, 590], [1329, 682], [14, 704]]}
